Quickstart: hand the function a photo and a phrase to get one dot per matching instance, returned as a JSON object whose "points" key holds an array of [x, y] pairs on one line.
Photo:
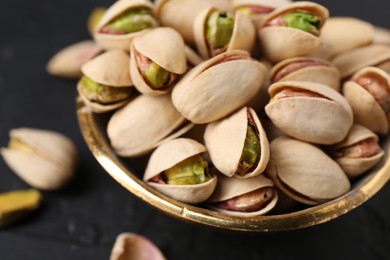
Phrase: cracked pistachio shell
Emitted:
{"points": [[304, 172], [317, 120], [326, 74], [47, 161], [225, 140], [133, 246], [169, 54], [354, 167], [243, 36], [168, 155], [143, 124], [381, 36], [346, 33], [214, 88], [366, 109], [300, 43], [115, 41], [228, 188], [351, 61], [68, 61]]}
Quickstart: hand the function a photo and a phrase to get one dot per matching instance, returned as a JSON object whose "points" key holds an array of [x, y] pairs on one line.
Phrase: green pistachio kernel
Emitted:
{"points": [[158, 77], [303, 21], [219, 30], [250, 153], [103, 94], [191, 171]]}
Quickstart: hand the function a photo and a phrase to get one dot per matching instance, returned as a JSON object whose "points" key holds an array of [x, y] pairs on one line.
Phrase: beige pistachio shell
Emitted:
{"points": [[304, 172], [366, 110], [325, 51], [228, 188], [381, 36], [351, 61], [193, 58], [317, 120], [168, 155], [142, 124], [130, 246], [169, 53], [121, 42], [225, 139], [68, 61], [48, 164], [243, 36], [213, 90], [326, 74], [346, 33], [354, 167]]}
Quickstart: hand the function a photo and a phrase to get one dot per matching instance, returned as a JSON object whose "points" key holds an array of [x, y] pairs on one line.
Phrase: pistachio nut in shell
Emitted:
{"points": [[122, 22], [106, 84], [307, 69], [218, 31], [368, 93], [243, 197], [177, 170], [381, 36], [142, 124], [218, 86], [67, 62], [155, 68], [309, 111], [15, 205], [304, 172], [133, 246], [300, 23], [44, 159], [358, 152], [238, 145]]}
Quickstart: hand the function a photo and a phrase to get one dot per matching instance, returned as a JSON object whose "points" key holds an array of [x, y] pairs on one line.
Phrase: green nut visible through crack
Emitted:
{"points": [[103, 94], [158, 77], [191, 171], [251, 152], [219, 29], [303, 21]]}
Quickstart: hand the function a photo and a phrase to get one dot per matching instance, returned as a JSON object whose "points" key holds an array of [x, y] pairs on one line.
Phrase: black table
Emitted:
{"points": [[83, 220]]}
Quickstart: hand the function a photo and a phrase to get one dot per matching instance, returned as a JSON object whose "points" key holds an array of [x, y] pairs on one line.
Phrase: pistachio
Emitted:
{"points": [[251, 152], [219, 29], [15, 205], [303, 21], [94, 18]]}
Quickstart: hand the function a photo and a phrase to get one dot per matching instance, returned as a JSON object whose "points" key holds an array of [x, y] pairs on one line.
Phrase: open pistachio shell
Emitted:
{"points": [[119, 41], [304, 172], [44, 159], [228, 188], [323, 117], [381, 36], [354, 166], [168, 155], [169, 54], [346, 33], [142, 124], [307, 69], [243, 36], [351, 61], [225, 141], [130, 246], [218, 86], [366, 109], [300, 43]]}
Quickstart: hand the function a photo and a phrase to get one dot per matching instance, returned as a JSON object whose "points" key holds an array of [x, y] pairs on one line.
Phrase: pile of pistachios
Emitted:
{"points": [[287, 100]]}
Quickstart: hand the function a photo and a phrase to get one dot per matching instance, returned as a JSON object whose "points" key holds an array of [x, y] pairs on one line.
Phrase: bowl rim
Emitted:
{"points": [[308, 217]]}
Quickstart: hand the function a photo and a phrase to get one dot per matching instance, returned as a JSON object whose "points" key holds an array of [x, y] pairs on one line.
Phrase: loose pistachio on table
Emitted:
{"points": [[368, 93], [178, 170], [304, 172], [122, 22], [106, 84], [238, 145], [203, 95], [44, 159], [155, 68], [300, 23], [309, 111]]}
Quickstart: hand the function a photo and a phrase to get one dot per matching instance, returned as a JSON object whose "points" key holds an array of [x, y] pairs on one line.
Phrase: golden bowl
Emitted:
{"points": [[128, 172]]}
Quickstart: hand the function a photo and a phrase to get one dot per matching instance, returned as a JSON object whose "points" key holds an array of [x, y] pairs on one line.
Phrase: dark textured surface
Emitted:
{"points": [[82, 220]]}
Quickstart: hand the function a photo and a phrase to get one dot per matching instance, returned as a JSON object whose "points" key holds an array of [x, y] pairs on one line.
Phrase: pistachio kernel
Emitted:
{"points": [[219, 29], [251, 152], [158, 77], [303, 21]]}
